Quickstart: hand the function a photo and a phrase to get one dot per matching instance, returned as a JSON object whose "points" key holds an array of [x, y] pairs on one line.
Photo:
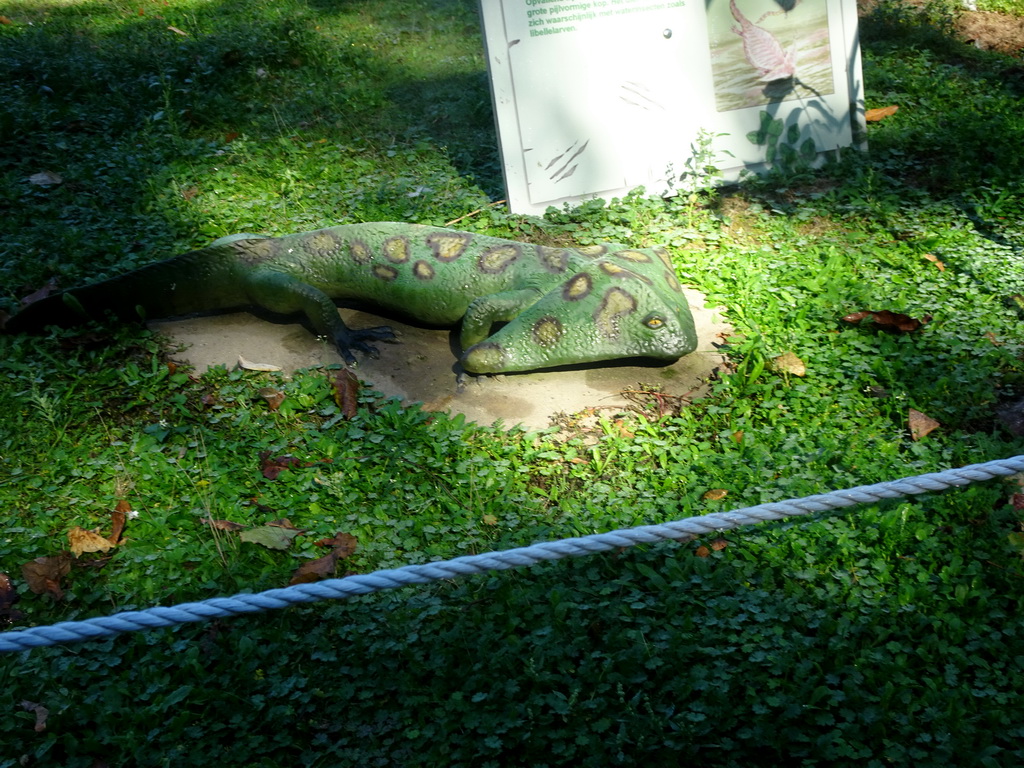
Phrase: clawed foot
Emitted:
{"points": [[357, 340], [463, 379]]}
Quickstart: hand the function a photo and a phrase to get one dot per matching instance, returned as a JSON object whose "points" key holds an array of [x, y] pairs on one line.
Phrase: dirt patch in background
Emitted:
{"points": [[993, 31], [1001, 32]]}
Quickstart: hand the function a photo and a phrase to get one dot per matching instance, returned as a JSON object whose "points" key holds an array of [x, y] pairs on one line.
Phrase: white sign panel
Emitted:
{"points": [[596, 97]]}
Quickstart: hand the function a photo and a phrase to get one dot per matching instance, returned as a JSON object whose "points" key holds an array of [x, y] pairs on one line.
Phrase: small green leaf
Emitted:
{"points": [[270, 536], [656, 578]]}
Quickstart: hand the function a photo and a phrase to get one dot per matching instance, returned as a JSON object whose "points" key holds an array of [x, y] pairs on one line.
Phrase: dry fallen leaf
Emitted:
{"points": [[920, 424], [83, 541], [702, 551], [719, 544], [716, 494], [283, 522], [45, 179], [43, 575], [935, 260], [249, 365], [889, 321], [222, 525], [50, 287], [272, 466], [274, 397], [900, 322], [315, 570], [788, 362], [880, 113], [177, 31], [8, 597], [344, 544], [41, 714], [346, 392], [119, 518]]}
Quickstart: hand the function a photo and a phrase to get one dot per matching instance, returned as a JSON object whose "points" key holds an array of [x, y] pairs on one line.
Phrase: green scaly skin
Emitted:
{"points": [[559, 306]]}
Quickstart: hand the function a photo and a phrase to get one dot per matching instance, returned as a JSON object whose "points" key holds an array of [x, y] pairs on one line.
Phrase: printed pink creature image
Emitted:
{"points": [[763, 50]]}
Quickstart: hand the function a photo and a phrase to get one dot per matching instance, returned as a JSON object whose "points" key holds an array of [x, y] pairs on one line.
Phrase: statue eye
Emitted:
{"points": [[654, 321]]}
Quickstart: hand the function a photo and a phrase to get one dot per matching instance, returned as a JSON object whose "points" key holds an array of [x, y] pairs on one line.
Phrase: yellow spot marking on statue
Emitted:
{"points": [[638, 256], [614, 269], [423, 270], [360, 252], [547, 331], [576, 287], [397, 249], [258, 251], [591, 250], [662, 254], [385, 272], [615, 305], [497, 259], [553, 259], [673, 283], [448, 246], [322, 242]]}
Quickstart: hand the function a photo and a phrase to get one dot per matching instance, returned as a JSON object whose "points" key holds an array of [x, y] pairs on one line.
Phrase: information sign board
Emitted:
{"points": [[593, 98]]}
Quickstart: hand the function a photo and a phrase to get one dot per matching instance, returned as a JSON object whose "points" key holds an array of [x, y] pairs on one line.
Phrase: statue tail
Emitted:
{"points": [[206, 280]]}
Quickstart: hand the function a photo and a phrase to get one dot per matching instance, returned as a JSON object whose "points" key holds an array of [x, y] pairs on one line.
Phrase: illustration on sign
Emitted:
{"points": [[566, 162], [782, 54], [762, 49]]}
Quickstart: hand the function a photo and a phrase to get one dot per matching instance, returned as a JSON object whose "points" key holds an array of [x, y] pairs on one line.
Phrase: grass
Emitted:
{"points": [[889, 635]]}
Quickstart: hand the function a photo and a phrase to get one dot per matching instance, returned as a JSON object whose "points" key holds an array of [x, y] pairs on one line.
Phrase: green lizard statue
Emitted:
{"points": [[522, 306]]}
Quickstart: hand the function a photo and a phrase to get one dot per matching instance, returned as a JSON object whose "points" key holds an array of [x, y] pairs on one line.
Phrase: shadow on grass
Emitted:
{"points": [[964, 132], [642, 657], [119, 103]]}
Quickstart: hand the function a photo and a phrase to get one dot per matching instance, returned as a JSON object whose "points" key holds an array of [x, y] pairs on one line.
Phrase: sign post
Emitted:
{"points": [[594, 98]]}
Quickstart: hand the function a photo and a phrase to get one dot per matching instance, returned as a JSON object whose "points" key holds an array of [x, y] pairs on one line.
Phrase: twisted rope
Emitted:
{"points": [[333, 589]]}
